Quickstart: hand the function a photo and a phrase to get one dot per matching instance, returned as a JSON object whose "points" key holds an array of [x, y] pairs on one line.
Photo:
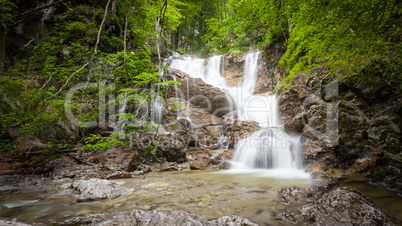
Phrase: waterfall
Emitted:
{"points": [[251, 72], [158, 107], [270, 150], [123, 100], [176, 97]]}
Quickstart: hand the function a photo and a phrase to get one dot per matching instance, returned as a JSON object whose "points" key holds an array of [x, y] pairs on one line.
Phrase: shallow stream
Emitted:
{"points": [[204, 193], [209, 194]]}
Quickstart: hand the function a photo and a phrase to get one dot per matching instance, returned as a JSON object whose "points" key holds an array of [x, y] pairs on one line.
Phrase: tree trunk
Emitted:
{"points": [[158, 29], [3, 32]]}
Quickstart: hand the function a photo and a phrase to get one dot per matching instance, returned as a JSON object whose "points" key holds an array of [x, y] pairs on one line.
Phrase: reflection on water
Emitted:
{"points": [[208, 194]]}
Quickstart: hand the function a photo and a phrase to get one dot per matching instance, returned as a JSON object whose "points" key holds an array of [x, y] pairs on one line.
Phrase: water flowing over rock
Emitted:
{"points": [[275, 148], [154, 217]]}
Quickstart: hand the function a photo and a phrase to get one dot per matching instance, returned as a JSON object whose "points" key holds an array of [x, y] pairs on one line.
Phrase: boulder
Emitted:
{"points": [[97, 189], [241, 130], [172, 147], [338, 207], [202, 95], [168, 166]]}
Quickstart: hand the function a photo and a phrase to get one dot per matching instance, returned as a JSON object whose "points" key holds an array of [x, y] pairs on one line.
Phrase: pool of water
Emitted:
{"points": [[205, 193]]}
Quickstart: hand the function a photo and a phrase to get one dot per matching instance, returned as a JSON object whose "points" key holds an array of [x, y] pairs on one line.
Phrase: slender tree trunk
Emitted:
{"points": [[158, 29], [217, 4], [3, 32]]}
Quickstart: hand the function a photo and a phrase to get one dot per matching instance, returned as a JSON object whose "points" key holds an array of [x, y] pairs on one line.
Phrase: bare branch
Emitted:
{"points": [[70, 78]]}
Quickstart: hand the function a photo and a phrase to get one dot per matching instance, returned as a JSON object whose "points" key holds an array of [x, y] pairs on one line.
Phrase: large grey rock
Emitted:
{"points": [[96, 189], [338, 207], [202, 95], [154, 217]]}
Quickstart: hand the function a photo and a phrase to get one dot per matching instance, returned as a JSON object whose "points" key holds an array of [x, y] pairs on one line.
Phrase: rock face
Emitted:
{"points": [[338, 207], [233, 68], [344, 126], [269, 74], [154, 217], [201, 95], [67, 167]]}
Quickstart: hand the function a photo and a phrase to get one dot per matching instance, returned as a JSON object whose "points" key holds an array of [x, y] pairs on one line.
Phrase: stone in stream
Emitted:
{"points": [[338, 207], [154, 217], [96, 189]]}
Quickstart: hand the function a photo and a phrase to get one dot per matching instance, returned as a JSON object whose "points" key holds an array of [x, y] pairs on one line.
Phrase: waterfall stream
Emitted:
{"points": [[269, 151]]}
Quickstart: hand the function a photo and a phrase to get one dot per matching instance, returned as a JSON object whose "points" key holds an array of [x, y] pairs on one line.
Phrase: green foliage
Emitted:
{"points": [[345, 36], [6, 7], [34, 88], [99, 143]]}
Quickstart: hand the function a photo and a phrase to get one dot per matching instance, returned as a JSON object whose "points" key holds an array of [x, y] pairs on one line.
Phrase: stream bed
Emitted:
{"points": [[209, 194], [205, 193]]}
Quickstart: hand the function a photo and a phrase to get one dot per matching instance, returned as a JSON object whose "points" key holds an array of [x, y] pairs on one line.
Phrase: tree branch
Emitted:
{"points": [[38, 9]]}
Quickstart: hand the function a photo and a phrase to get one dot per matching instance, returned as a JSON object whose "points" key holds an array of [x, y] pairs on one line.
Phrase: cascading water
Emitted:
{"points": [[269, 151], [123, 100]]}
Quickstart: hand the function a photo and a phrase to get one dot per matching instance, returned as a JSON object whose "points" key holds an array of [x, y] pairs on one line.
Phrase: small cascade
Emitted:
{"points": [[251, 73], [176, 97], [158, 107], [119, 126], [157, 110], [213, 73], [188, 97]]}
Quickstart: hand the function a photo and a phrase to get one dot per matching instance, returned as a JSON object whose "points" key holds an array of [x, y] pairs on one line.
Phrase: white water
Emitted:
{"points": [[268, 152], [123, 100]]}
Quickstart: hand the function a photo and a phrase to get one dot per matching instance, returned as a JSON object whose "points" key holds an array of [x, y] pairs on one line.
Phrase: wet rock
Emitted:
{"points": [[7, 190], [338, 207], [120, 175], [198, 165], [169, 166], [241, 130], [12, 223], [287, 195], [171, 147], [359, 165], [202, 95], [292, 109], [225, 165], [197, 153], [269, 75], [316, 151], [153, 217], [96, 189], [233, 68], [68, 167]]}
